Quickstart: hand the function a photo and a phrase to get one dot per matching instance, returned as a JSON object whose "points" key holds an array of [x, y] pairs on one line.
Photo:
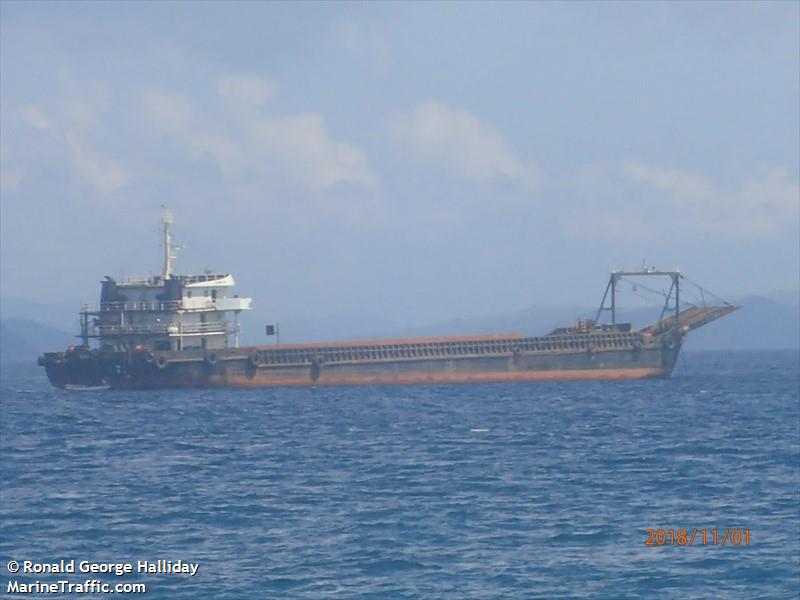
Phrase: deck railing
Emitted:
{"points": [[187, 304], [449, 349], [141, 306], [161, 329]]}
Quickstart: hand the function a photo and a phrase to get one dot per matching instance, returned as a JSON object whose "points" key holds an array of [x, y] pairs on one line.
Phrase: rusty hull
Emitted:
{"points": [[496, 358]]}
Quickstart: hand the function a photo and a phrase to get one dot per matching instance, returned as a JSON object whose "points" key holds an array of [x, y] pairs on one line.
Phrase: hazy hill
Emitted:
{"points": [[23, 340], [57, 316], [27, 329], [761, 323]]}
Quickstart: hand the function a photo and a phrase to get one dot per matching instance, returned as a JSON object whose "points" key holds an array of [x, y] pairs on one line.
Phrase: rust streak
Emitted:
{"points": [[560, 375]]}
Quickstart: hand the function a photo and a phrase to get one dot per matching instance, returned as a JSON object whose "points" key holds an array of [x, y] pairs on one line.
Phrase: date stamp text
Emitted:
{"points": [[697, 537]]}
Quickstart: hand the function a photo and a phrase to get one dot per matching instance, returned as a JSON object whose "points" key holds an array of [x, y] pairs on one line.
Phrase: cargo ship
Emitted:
{"points": [[182, 331]]}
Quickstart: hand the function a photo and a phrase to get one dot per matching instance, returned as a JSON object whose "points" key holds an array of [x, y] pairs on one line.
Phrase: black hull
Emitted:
{"points": [[618, 356]]}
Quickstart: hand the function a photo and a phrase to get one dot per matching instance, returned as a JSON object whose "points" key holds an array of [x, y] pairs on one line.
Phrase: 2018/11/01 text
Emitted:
{"points": [[697, 537]]}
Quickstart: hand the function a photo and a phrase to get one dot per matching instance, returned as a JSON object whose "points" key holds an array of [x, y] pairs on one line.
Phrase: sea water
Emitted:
{"points": [[459, 491]]}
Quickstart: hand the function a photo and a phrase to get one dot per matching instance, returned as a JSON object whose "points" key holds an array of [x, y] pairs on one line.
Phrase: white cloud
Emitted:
{"points": [[634, 197], [303, 144], [101, 172], [69, 125], [244, 93], [177, 117], [245, 141], [9, 176], [168, 111], [771, 191], [681, 186], [461, 142], [34, 117], [363, 42]]}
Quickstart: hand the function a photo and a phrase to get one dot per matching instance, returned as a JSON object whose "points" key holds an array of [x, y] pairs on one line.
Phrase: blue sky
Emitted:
{"points": [[415, 160]]}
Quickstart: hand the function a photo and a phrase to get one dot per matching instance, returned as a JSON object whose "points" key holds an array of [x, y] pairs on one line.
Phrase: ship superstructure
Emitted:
{"points": [[165, 312], [174, 331]]}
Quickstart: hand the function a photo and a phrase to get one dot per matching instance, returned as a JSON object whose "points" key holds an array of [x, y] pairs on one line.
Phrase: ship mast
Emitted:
{"points": [[170, 251], [675, 276]]}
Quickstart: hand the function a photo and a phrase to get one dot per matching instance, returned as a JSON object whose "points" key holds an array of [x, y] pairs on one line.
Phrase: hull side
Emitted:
{"points": [[235, 368], [549, 367]]}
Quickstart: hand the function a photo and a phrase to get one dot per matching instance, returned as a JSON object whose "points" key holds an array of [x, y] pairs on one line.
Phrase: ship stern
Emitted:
{"points": [[77, 367]]}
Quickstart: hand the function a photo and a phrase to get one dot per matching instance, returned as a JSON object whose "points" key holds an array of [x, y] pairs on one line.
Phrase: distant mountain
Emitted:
{"points": [[57, 316], [23, 340], [341, 326], [760, 324], [788, 297], [28, 329]]}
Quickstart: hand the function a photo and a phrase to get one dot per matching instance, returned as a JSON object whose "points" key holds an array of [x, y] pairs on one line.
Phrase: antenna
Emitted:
{"points": [[170, 251]]}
